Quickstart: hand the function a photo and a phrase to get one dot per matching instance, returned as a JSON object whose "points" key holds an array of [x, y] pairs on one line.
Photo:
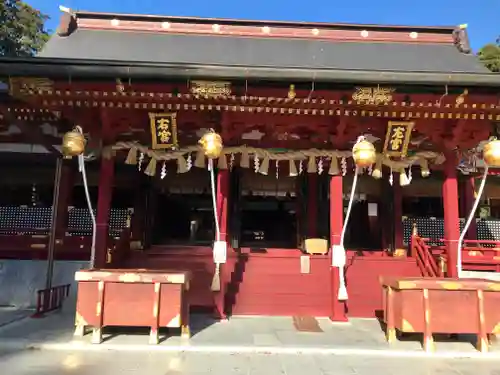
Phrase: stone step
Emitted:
{"points": [[494, 276]]}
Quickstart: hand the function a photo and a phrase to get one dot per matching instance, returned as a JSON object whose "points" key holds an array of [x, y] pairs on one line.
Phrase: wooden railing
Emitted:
{"points": [[477, 255], [481, 255], [425, 258], [50, 299], [35, 246]]}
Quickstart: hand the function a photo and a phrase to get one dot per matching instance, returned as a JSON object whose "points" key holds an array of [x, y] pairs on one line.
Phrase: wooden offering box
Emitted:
{"points": [[131, 298], [439, 305]]}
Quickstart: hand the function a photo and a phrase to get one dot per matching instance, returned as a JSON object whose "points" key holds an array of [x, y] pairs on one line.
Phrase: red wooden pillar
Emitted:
{"points": [[467, 199], [336, 225], [312, 205], [106, 178], [397, 215], [222, 212], [65, 196], [451, 217]]}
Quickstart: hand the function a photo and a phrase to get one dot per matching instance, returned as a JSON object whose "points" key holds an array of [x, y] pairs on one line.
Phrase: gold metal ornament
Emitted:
{"points": [[373, 95], [491, 153], [424, 168], [211, 143], [73, 144], [364, 154]]}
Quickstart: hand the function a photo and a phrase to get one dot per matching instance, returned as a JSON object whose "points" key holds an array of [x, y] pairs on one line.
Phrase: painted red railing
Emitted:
{"points": [[425, 258], [477, 255], [50, 299], [481, 255], [35, 246]]}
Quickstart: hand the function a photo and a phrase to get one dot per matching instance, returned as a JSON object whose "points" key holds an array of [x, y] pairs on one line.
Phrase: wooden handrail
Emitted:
{"points": [[424, 257], [488, 242], [475, 257], [50, 299]]}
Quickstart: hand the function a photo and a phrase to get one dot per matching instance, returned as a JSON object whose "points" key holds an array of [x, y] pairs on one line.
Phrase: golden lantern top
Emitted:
{"points": [[491, 153], [364, 154], [73, 143], [211, 143]]}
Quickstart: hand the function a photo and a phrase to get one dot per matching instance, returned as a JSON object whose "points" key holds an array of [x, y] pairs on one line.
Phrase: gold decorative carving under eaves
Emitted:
{"points": [[210, 89], [373, 95], [19, 86]]}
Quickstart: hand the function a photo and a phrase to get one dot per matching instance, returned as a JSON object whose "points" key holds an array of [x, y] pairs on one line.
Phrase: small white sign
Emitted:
{"points": [[305, 264], [372, 209]]}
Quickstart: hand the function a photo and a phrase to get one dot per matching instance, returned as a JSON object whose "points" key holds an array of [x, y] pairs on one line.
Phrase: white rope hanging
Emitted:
{"points": [[81, 168], [339, 256]]}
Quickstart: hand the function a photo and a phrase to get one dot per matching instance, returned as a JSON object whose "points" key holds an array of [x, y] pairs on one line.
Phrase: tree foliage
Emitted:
{"points": [[22, 29], [490, 56]]}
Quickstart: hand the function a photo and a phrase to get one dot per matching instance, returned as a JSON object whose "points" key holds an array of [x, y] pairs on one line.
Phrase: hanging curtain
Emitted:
{"points": [[323, 206], [234, 204], [302, 192]]}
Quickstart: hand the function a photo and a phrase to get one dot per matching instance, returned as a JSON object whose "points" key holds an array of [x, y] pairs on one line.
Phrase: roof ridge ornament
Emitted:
{"points": [[64, 9], [461, 39], [67, 22]]}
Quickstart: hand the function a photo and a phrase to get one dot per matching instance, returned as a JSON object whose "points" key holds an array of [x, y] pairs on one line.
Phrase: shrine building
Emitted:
{"points": [[289, 100]]}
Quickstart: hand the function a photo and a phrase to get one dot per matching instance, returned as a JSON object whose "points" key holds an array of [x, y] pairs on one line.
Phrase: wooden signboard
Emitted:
{"points": [[397, 138], [163, 130]]}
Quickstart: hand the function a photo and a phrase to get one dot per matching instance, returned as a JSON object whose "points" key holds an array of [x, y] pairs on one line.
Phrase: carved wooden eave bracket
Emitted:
{"points": [[25, 87], [55, 99], [33, 133]]}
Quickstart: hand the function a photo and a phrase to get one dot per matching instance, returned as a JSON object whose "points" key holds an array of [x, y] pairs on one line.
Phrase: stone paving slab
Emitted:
{"points": [[276, 334], [11, 314], [154, 363]]}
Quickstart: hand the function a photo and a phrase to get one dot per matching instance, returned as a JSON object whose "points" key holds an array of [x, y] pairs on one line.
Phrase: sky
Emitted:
{"points": [[481, 16]]}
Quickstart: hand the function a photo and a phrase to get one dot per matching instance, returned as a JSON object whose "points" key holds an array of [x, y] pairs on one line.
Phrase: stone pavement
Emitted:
{"points": [[188, 363], [11, 314], [238, 335]]}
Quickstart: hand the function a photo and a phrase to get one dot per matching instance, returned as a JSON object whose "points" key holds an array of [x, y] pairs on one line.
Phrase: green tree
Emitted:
{"points": [[22, 29], [490, 56]]}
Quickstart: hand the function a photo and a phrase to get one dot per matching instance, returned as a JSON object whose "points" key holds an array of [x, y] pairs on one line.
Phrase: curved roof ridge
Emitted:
{"points": [[244, 22]]}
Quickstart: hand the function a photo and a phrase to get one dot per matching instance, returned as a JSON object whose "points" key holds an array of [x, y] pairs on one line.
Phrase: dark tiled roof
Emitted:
{"points": [[260, 52]]}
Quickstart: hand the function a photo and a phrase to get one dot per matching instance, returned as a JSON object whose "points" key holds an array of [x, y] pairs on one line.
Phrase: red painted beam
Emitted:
{"points": [[93, 90]]}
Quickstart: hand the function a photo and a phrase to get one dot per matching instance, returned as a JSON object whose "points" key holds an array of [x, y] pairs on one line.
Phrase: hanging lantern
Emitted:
{"points": [[491, 153], [364, 154], [211, 143], [73, 144]]}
